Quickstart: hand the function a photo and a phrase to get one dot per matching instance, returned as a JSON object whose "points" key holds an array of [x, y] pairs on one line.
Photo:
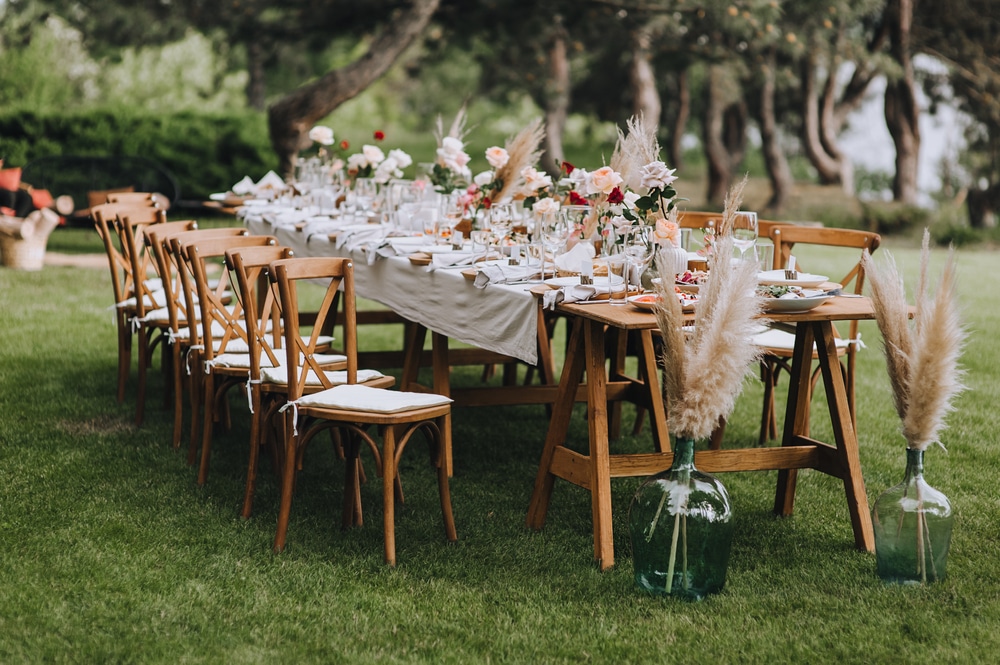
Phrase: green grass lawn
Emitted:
{"points": [[111, 553]]}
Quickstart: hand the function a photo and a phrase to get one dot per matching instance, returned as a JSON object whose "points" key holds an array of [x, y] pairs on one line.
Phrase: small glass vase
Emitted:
{"points": [[912, 523], [681, 523]]}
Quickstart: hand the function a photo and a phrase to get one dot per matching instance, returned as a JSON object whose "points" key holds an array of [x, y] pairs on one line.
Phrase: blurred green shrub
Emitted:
{"points": [[205, 152], [893, 218]]}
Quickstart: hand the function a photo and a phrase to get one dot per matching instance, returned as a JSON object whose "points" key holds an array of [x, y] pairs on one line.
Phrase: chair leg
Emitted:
{"points": [[287, 481], [444, 490], [256, 438], [178, 391], [124, 353], [352, 512], [207, 424], [388, 492], [140, 400], [767, 415]]}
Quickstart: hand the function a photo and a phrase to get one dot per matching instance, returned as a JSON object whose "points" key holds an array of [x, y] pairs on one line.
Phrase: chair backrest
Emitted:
{"points": [[219, 322], [158, 239], [709, 221], [786, 237], [300, 350], [131, 225], [249, 266], [139, 198], [104, 218]]}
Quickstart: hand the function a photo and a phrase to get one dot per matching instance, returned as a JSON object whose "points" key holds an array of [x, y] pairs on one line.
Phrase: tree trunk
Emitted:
{"points": [[828, 167], [902, 112], [774, 157], [291, 117], [256, 90], [556, 103], [719, 164], [680, 122], [645, 96]]}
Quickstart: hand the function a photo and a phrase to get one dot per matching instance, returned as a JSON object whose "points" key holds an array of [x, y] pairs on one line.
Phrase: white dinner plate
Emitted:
{"points": [[794, 304], [777, 278]]}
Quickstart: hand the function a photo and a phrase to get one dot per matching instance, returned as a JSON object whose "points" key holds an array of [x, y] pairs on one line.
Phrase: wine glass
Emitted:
{"points": [[501, 220], [554, 229], [638, 250], [744, 231]]}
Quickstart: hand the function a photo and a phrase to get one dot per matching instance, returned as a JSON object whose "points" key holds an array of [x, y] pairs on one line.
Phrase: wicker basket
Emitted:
{"points": [[22, 254]]}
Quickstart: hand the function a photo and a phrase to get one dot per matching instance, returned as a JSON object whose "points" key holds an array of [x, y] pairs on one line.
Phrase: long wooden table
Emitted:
{"points": [[594, 470]]}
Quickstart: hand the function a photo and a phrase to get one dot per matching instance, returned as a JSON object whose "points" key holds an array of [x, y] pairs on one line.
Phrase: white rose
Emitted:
{"points": [[451, 145], [630, 199], [321, 134], [656, 175], [356, 162], [373, 154], [545, 206], [386, 171], [497, 157], [483, 179], [603, 181], [579, 177], [402, 159]]}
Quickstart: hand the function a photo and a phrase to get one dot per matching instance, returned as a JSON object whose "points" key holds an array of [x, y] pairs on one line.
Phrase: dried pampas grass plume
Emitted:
{"points": [[703, 376], [731, 206], [457, 129], [634, 149], [922, 360], [523, 151]]}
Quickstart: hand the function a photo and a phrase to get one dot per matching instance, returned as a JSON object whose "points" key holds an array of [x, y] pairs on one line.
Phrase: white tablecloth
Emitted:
{"points": [[500, 318]]}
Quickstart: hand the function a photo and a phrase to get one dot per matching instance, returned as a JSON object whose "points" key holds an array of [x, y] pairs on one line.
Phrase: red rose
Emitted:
{"points": [[616, 195], [568, 168], [487, 203], [577, 200], [379, 135], [344, 145]]}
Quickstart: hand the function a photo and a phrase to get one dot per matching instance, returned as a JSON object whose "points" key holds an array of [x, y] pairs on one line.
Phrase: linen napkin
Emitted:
{"points": [[567, 294], [570, 261], [451, 260], [504, 274], [244, 187]]}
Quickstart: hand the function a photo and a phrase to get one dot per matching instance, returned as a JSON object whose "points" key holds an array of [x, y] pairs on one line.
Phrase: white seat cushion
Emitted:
{"points": [[279, 375], [772, 338], [374, 400]]}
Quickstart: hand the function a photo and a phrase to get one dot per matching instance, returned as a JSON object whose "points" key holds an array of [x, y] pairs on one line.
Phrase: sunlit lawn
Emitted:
{"points": [[112, 553]]}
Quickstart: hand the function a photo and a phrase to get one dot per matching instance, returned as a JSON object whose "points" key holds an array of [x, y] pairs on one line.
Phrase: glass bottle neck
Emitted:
{"points": [[914, 463], [683, 453]]}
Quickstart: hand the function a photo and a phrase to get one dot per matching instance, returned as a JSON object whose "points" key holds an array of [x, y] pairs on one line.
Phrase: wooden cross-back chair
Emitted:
{"points": [[267, 383], [158, 241], [351, 408], [219, 341], [779, 344], [105, 218]]}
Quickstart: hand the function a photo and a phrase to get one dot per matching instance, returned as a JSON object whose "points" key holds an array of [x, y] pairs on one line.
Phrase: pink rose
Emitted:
{"points": [[603, 180]]}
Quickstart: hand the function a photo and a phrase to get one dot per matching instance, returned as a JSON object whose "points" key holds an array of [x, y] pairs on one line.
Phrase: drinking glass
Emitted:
{"points": [[554, 230], [638, 250], [501, 220], [744, 231]]}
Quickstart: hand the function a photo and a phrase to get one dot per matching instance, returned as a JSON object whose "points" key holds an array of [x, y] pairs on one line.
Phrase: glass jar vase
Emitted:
{"points": [[912, 523], [681, 524]]}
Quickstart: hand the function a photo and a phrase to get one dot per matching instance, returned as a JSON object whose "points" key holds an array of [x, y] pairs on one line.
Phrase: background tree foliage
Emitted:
{"points": [[715, 69]]}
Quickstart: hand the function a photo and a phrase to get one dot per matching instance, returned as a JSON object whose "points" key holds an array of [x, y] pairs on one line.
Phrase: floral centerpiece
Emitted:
{"points": [[511, 167], [450, 171], [912, 521], [373, 163]]}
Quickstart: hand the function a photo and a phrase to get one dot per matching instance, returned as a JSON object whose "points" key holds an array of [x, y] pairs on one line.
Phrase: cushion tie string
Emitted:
{"points": [[251, 382], [187, 356], [295, 415]]}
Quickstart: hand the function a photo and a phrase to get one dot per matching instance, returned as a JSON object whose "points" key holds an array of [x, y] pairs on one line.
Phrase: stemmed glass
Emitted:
{"points": [[638, 249], [554, 229], [501, 221], [744, 231]]}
